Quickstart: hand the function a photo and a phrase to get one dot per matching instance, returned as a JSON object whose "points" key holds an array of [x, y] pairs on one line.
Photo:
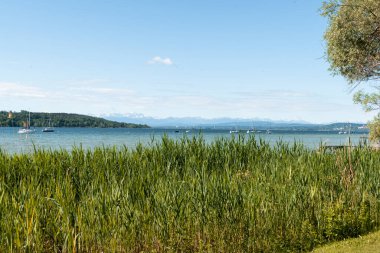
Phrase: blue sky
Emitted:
{"points": [[161, 58]]}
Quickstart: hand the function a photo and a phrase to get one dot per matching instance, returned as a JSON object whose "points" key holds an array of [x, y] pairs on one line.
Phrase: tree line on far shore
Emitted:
{"points": [[40, 119]]}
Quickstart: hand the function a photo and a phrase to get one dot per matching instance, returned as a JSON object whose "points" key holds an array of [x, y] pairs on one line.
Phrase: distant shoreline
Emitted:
{"points": [[41, 119]]}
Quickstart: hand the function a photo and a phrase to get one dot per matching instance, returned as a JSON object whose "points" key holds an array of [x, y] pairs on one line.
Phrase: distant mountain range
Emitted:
{"points": [[140, 121], [235, 123], [192, 121]]}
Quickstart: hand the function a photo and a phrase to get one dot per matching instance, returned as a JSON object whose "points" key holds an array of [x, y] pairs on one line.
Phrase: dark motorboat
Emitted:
{"points": [[48, 130]]}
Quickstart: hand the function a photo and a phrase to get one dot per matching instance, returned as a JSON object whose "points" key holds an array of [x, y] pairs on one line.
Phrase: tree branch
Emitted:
{"points": [[358, 6]]}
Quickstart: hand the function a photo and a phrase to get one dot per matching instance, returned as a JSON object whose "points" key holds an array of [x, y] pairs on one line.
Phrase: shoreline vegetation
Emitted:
{"points": [[232, 195], [40, 119]]}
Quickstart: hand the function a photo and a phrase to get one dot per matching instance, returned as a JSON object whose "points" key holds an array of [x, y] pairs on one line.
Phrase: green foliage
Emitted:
{"points": [[39, 119], [370, 102], [353, 38], [353, 47], [237, 195], [374, 128]]}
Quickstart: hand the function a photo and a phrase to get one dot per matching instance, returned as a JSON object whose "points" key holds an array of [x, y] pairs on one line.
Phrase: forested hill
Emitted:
{"points": [[39, 119]]}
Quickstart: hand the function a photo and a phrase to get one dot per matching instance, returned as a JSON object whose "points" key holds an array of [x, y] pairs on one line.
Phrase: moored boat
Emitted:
{"points": [[26, 129], [48, 130]]}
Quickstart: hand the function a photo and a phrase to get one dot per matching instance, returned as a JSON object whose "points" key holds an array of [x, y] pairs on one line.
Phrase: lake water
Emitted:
{"points": [[67, 138]]}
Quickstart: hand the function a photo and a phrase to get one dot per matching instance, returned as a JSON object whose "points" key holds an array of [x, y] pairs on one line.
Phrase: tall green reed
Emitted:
{"points": [[233, 195]]}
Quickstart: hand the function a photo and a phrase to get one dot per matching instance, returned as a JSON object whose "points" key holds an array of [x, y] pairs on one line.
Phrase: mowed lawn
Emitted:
{"points": [[365, 244]]}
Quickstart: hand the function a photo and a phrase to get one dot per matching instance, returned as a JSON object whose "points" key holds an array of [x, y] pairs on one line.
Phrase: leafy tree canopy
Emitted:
{"points": [[353, 48], [353, 38]]}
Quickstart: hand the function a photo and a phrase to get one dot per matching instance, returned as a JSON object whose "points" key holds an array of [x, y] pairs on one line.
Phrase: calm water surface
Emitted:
{"points": [[67, 138]]}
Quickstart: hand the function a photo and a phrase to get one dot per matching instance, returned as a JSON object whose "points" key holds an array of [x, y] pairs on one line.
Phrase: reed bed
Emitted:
{"points": [[232, 195]]}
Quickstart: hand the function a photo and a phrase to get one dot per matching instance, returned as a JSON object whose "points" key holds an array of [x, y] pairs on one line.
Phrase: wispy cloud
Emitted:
{"points": [[274, 94], [99, 97], [8, 89], [102, 90], [159, 60], [86, 82]]}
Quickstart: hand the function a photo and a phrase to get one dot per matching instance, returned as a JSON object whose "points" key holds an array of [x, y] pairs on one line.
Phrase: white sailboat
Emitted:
{"points": [[26, 129], [252, 130]]}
